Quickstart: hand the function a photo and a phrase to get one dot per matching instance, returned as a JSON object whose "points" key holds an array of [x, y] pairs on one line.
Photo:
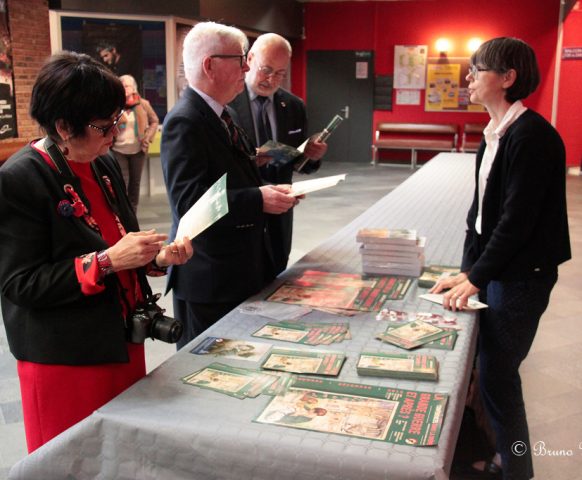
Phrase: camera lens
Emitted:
{"points": [[167, 329]]}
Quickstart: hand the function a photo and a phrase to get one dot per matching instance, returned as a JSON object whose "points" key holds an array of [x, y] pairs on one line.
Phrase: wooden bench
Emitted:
{"points": [[415, 137], [472, 135], [9, 147]]}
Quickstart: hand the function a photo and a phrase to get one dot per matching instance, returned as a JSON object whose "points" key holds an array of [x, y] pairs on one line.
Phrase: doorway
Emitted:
{"points": [[342, 82]]}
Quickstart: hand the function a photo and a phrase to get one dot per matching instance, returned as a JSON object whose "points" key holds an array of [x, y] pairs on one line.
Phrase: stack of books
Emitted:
{"points": [[398, 365], [391, 252]]}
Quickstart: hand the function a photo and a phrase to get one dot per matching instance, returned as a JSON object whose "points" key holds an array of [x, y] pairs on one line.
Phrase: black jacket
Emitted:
{"points": [[48, 319], [524, 219], [232, 258], [291, 130]]}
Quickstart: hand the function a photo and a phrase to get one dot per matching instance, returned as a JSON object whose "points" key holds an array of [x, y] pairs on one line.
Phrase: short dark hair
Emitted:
{"points": [[74, 88], [105, 46], [503, 54]]}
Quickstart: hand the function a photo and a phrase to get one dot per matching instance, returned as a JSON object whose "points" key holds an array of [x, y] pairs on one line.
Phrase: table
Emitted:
{"points": [[163, 429]]}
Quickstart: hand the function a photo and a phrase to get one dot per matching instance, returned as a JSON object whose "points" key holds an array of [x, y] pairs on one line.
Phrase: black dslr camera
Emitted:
{"points": [[148, 320]]}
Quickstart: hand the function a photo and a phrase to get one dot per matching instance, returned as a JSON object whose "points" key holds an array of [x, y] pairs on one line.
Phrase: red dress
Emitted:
{"points": [[55, 397]]}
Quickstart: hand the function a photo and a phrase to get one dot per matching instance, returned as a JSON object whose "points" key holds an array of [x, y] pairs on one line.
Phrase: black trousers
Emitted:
{"points": [[197, 317], [507, 330]]}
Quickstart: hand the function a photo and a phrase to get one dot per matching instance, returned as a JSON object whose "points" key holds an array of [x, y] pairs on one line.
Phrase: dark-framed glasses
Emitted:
{"points": [[108, 128], [242, 58], [269, 72], [474, 71]]}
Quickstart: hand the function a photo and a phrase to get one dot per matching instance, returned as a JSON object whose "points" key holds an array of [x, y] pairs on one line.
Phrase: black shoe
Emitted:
{"points": [[490, 471]]}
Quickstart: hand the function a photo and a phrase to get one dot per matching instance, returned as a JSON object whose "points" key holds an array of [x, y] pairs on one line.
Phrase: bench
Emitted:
{"points": [[9, 147], [472, 135], [415, 137]]}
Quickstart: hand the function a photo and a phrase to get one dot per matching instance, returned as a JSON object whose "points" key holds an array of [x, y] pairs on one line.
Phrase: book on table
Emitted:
{"points": [[409, 366], [431, 274], [315, 362], [413, 334], [391, 251], [400, 236]]}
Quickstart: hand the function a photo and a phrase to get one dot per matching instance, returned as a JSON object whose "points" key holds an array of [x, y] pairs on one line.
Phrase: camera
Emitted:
{"points": [[148, 320]]}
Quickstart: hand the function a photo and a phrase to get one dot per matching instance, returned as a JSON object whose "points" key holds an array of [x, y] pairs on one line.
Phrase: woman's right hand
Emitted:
{"points": [[448, 283], [135, 249]]}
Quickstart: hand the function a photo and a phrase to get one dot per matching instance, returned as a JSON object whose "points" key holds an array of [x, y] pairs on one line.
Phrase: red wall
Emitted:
{"points": [[379, 26], [569, 120]]}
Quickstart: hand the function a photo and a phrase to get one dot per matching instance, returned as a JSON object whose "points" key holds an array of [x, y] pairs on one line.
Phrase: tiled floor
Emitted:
{"points": [[552, 373]]}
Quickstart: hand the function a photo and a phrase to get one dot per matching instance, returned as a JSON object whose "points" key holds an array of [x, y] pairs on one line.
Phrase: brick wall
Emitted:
{"points": [[29, 32]]}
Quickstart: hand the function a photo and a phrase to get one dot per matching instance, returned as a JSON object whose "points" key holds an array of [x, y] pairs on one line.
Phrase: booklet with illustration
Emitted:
{"points": [[313, 362], [305, 333], [405, 417], [229, 348], [237, 382], [280, 153], [412, 334], [209, 208], [346, 291]]}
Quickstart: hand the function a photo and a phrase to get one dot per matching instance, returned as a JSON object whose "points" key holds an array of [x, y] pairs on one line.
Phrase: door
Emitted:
{"points": [[342, 82]]}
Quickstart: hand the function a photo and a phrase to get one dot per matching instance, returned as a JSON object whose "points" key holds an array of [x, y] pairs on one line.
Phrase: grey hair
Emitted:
{"points": [[206, 38], [268, 39], [131, 79]]}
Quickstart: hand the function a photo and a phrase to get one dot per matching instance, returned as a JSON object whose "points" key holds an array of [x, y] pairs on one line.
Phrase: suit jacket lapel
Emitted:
{"points": [[281, 116], [211, 119], [216, 124]]}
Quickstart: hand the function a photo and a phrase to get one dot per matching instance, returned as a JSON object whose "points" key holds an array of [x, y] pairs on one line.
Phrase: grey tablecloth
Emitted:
{"points": [[163, 429]]}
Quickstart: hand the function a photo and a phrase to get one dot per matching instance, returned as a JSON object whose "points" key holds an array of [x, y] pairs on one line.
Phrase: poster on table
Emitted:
{"points": [[410, 66], [447, 86], [7, 117]]}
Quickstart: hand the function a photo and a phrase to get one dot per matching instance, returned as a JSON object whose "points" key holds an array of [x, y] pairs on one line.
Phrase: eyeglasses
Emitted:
{"points": [[241, 58], [474, 71], [269, 72], [106, 130]]}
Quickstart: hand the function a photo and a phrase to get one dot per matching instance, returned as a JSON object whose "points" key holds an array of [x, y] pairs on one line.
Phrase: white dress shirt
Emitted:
{"points": [[492, 137]]}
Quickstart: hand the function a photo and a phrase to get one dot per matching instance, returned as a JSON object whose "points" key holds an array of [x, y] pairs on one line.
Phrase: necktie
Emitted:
{"points": [[236, 135], [263, 124], [232, 130]]}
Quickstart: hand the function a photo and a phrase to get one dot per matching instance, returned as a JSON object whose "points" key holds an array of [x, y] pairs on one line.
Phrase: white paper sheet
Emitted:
{"points": [[308, 186], [438, 298]]}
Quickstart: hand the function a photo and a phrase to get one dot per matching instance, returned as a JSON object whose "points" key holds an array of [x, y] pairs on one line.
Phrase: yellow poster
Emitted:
{"points": [[447, 86], [442, 91]]}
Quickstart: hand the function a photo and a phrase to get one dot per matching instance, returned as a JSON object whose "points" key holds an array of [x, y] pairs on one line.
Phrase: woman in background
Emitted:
{"points": [[517, 235], [136, 132], [73, 263]]}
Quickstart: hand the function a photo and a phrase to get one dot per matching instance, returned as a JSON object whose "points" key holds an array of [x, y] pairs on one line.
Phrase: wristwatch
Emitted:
{"points": [[104, 263]]}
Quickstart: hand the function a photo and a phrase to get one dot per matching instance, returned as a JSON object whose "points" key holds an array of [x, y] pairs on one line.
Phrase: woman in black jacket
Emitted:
{"points": [[73, 262], [517, 235]]}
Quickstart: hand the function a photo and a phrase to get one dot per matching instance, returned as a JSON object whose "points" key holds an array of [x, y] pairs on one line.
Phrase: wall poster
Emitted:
{"points": [[134, 47], [7, 113], [410, 66], [447, 87]]}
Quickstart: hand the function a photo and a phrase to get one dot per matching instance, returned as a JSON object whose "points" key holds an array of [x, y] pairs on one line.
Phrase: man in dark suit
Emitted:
{"points": [[199, 145], [267, 112]]}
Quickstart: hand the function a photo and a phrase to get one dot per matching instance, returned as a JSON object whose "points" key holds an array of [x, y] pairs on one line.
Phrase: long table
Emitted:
{"points": [[163, 429]]}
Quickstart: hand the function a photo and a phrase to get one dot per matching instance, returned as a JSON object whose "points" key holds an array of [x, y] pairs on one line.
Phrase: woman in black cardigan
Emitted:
{"points": [[517, 235], [73, 261]]}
